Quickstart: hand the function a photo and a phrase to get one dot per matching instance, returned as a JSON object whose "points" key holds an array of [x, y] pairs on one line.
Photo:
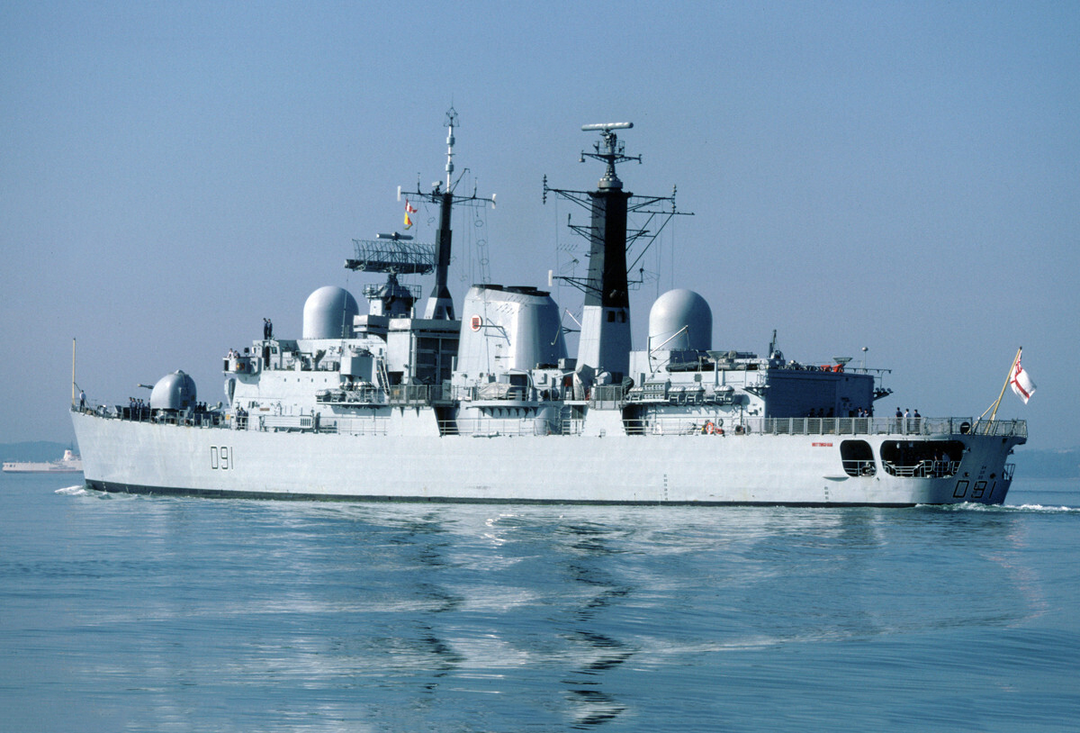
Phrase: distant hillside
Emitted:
{"points": [[1047, 463], [38, 450]]}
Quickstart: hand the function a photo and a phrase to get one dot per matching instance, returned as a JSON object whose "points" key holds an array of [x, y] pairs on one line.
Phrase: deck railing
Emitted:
{"points": [[923, 469], [924, 426], [657, 425]]}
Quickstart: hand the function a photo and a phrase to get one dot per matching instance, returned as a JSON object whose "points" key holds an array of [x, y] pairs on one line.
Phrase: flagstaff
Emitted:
{"points": [[1019, 380]]}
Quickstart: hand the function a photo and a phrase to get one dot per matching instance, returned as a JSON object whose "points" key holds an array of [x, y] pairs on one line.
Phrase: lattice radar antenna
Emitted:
{"points": [[393, 253]]}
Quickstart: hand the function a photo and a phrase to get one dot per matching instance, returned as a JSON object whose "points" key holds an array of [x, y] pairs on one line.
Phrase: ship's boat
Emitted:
{"points": [[411, 404]]}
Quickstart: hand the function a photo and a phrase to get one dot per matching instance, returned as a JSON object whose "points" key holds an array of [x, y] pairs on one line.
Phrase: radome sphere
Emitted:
{"points": [[328, 313], [680, 319]]}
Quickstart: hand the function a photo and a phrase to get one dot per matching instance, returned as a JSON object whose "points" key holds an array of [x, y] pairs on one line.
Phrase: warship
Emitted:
{"points": [[412, 401]]}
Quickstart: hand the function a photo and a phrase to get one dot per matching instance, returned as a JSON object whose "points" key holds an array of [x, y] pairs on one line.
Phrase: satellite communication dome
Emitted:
{"points": [[328, 313], [174, 391], [680, 319]]}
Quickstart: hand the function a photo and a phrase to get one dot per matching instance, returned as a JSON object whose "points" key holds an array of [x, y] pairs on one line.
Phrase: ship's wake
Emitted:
{"points": [[1003, 508], [78, 490]]}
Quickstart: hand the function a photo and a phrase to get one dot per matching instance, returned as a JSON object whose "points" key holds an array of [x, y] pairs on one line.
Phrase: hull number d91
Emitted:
{"points": [[221, 458]]}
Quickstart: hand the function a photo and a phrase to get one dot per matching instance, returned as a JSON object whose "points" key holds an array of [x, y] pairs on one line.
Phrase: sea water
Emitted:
{"points": [[132, 613]]}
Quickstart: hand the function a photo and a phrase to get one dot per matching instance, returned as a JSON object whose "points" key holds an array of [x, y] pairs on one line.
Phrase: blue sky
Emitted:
{"points": [[896, 176]]}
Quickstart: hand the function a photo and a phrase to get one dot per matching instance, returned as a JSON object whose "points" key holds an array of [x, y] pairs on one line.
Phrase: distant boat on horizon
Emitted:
{"points": [[70, 463]]}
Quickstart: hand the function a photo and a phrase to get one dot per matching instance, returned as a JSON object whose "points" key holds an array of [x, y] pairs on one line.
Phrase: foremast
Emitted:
{"points": [[440, 304]]}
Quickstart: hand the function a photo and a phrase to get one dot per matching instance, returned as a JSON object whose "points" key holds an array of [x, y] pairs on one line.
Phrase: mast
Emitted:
{"points": [[605, 323], [440, 305], [604, 343]]}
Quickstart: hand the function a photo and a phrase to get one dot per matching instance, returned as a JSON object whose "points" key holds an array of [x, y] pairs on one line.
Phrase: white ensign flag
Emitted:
{"points": [[1020, 381]]}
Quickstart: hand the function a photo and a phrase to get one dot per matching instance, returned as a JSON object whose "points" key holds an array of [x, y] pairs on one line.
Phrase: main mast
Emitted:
{"points": [[605, 320], [604, 343]]}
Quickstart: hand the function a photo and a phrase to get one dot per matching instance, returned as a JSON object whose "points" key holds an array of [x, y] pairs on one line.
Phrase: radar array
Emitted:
{"points": [[393, 253]]}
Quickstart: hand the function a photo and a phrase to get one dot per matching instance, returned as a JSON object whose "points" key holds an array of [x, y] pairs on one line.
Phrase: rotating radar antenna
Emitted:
{"points": [[393, 253], [609, 150]]}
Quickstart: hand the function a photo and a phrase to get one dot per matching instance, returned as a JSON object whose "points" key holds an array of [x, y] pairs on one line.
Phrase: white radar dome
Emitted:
{"points": [[174, 391], [328, 313], [680, 319]]}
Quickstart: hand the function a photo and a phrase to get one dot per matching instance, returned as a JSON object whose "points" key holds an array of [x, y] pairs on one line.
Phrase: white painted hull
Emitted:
{"points": [[121, 455], [40, 468]]}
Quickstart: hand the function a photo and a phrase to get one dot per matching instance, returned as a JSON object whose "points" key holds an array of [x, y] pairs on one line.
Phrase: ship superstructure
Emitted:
{"points": [[411, 403]]}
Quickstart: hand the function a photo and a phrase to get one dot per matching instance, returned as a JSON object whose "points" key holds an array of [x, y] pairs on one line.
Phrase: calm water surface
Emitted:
{"points": [[124, 613]]}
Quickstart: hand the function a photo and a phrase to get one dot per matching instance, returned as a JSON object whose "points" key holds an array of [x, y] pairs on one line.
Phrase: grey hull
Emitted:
{"points": [[796, 470]]}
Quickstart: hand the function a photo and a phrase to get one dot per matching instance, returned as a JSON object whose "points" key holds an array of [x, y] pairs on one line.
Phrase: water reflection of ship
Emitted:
{"points": [[592, 705], [424, 537]]}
